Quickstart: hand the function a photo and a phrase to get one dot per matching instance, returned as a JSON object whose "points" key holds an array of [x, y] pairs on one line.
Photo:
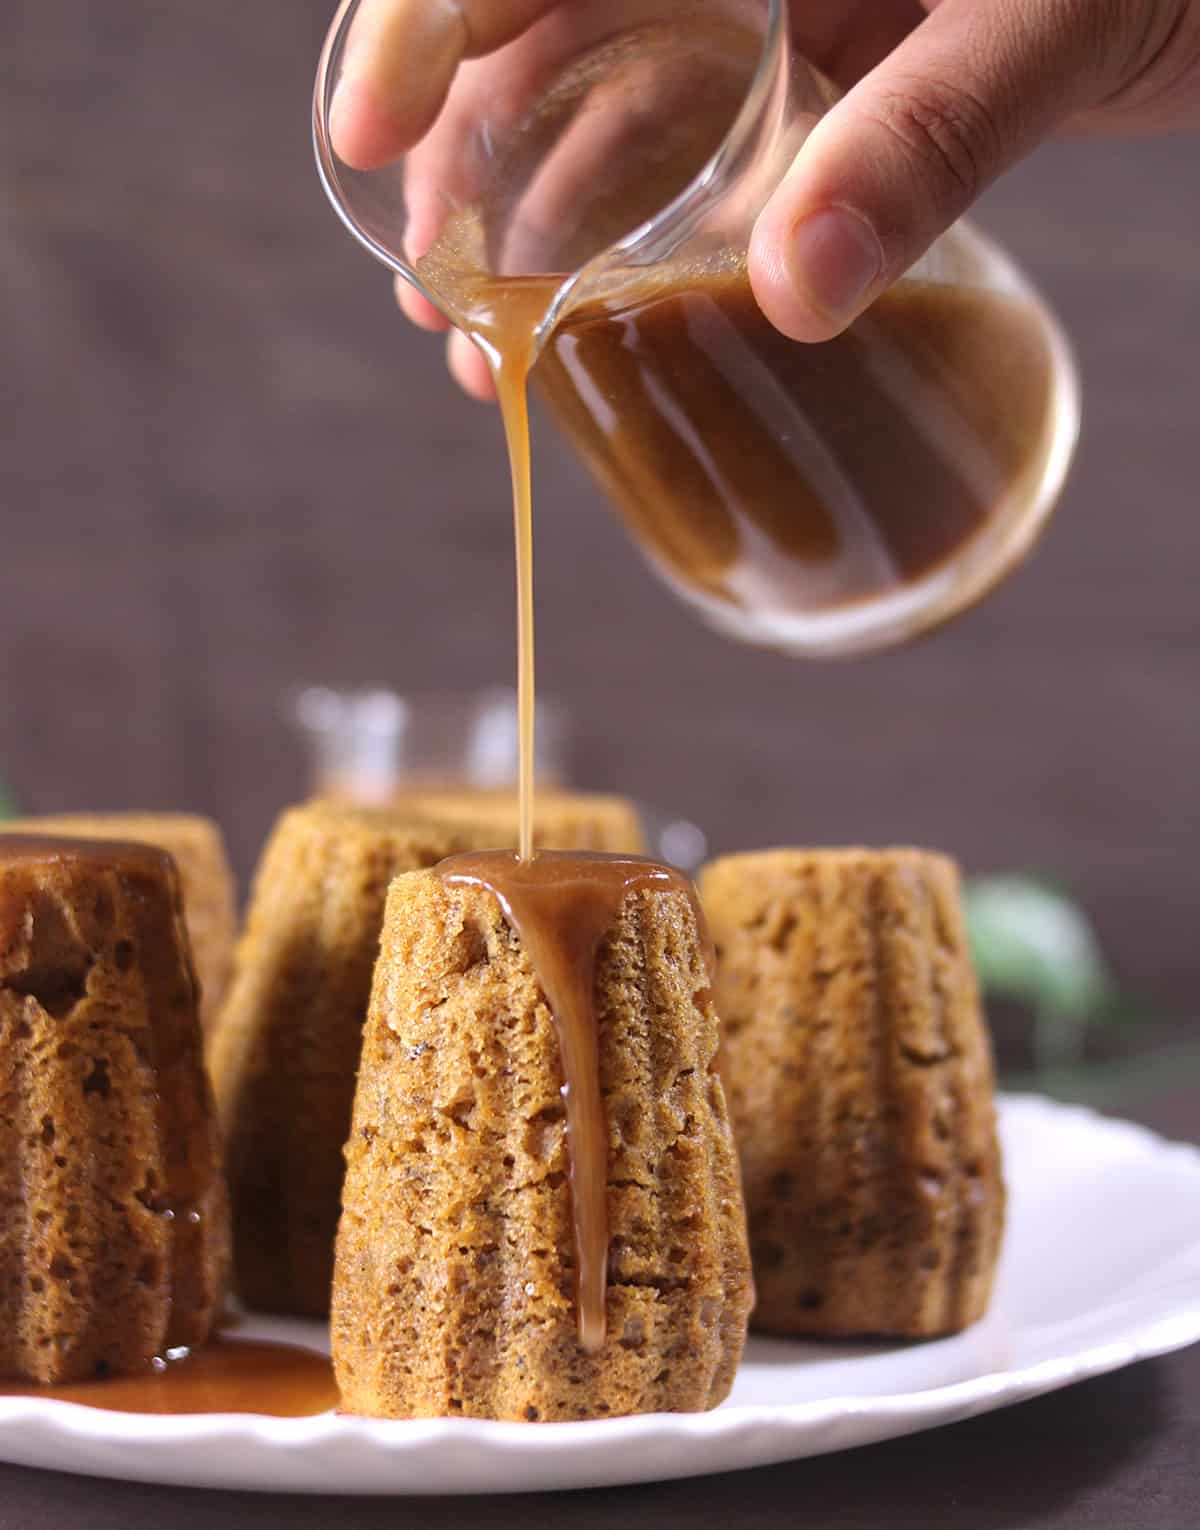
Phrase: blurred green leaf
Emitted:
{"points": [[8, 808], [1031, 943]]}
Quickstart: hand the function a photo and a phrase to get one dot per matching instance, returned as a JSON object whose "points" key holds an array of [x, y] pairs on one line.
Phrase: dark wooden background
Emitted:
{"points": [[226, 468]]}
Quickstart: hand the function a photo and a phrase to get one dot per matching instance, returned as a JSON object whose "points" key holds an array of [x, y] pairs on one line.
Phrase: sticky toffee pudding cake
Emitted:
{"points": [[286, 1045], [114, 1224], [198, 849], [859, 1074], [542, 1218]]}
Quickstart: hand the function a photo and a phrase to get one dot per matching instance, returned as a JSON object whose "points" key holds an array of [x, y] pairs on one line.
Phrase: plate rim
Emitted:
{"points": [[1157, 1324]]}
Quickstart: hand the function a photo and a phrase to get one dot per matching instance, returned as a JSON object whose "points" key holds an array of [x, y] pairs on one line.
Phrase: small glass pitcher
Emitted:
{"points": [[822, 499]]}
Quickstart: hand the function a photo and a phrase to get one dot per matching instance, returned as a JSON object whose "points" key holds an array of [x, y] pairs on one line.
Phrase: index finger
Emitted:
{"points": [[400, 58]]}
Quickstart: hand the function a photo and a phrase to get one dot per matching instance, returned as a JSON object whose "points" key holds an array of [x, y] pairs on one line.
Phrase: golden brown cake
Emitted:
{"points": [[286, 1044], [859, 1074], [458, 1260], [198, 850], [114, 1221], [563, 820]]}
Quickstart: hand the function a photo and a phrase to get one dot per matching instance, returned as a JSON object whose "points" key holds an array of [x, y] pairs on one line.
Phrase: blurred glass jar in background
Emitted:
{"points": [[371, 746], [375, 747]]}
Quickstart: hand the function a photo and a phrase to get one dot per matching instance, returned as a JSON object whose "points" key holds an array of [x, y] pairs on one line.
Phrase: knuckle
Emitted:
{"points": [[1155, 58], [947, 129], [1137, 32]]}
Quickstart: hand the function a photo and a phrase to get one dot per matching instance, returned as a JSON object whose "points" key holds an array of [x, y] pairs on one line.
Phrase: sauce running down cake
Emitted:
{"points": [[114, 1221], [542, 1211], [198, 850], [859, 1074], [286, 1045]]}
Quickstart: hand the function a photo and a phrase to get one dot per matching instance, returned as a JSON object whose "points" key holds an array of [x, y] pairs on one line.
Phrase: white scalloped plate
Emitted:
{"points": [[1101, 1268]]}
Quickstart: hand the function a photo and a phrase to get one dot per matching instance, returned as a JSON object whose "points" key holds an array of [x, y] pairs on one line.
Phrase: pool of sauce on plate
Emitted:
{"points": [[224, 1376]]}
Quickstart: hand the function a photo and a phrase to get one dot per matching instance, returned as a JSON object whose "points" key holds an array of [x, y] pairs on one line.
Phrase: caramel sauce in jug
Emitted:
{"points": [[781, 477]]}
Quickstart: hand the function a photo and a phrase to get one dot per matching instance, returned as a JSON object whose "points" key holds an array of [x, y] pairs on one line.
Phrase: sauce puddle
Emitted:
{"points": [[224, 1376]]}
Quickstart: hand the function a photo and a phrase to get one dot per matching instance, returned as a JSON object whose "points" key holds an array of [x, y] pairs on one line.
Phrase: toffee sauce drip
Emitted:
{"points": [[561, 905]]}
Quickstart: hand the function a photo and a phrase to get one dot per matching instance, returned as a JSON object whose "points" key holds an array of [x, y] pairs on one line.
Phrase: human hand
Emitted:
{"points": [[942, 96]]}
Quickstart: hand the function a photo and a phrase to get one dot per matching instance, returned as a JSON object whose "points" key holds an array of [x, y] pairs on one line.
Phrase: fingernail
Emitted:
{"points": [[834, 259]]}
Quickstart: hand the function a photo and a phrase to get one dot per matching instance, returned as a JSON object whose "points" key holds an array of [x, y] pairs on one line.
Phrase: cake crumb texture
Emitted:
{"points": [[563, 821], [859, 1074], [455, 1284], [114, 1219], [286, 1046], [209, 897]]}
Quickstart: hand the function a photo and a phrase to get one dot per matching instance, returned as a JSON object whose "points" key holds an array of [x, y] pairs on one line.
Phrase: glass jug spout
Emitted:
{"points": [[591, 146]]}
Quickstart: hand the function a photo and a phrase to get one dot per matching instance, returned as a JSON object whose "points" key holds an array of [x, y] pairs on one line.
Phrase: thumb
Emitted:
{"points": [[893, 164]]}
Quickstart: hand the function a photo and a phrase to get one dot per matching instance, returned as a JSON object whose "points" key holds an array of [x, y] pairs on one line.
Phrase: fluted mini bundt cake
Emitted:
{"points": [[564, 821], [859, 1074], [459, 1272], [198, 850], [114, 1235], [286, 1045]]}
